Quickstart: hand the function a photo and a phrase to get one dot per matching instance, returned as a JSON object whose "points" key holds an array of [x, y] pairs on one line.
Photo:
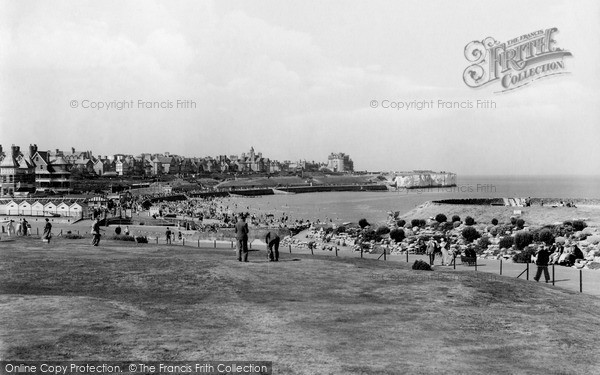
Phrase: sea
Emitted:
{"points": [[374, 206]]}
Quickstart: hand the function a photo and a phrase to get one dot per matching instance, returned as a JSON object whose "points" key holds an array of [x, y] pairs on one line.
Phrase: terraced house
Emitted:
{"points": [[16, 173]]}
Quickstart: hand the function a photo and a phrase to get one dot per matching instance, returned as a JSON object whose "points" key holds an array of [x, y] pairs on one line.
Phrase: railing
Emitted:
{"points": [[158, 239]]}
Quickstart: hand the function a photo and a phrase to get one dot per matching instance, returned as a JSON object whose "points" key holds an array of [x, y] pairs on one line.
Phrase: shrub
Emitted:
{"points": [[469, 221], [421, 265], [118, 230], [401, 223], [506, 242], [141, 239], [470, 234], [545, 235], [523, 239], [524, 256], [363, 223], [494, 221], [520, 223], [494, 231], [441, 218], [579, 225], [397, 235], [455, 218], [513, 220], [484, 242], [447, 226], [371, 235], [73, 236], [340, 229], [422, 223], [383, 230], [122, 237], [415, 222]]}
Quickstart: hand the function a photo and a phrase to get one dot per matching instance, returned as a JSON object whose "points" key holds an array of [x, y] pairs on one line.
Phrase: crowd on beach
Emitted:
{"points": [[441, 239]]}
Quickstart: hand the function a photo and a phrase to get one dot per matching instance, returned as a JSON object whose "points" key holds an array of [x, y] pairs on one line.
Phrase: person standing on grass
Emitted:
{"points": [[168, 235], [47, 231], [272, 239], [241, 235], [96, 232], [445, 257], [543, 256], [10, 228], [25, 229], [431, 251]]}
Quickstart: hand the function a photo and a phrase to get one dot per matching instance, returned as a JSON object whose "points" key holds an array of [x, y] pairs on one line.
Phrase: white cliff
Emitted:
{"points": [[423, 179]]}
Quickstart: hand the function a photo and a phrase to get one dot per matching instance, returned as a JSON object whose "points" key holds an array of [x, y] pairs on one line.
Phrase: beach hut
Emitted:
{"points": [[76, 210], [37, 209], [63, 209], [50, 208], [24, 208], [12, 208]]}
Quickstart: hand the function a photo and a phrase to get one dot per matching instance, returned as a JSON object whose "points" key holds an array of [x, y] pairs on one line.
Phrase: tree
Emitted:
{"points": [[523, 239], [441, 218], [494, 221], [455, 218], [545, 235], [469, 221], [506, 242], [520, 223], [383, 230], [470, 234], [401, 223], [363, 223], [579, 225], [397, 234], [414, 223]]}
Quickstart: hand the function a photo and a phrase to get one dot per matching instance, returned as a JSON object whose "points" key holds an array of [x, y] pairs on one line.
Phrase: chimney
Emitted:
{"points": [[32, 150], [72, 150]]}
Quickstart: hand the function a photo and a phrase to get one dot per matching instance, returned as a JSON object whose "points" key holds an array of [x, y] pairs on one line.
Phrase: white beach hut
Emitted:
{"points": [[37, 209], [63, 209], [12, 208], [76, 210], [50, 207], [24, 208]]}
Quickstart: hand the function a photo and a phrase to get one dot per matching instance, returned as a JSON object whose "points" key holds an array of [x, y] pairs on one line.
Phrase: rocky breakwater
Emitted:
{"points": [[420, 179]]}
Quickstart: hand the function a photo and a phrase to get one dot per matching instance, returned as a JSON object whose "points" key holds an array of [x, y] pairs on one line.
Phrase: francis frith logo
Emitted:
{"points": [[515, 63]]}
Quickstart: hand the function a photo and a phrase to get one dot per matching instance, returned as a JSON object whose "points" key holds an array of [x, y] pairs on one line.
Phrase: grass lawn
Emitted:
{"points": [[309, 315]]}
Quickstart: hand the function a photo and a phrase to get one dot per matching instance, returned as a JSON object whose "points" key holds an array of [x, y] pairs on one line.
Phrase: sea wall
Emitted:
{"points": [[425, 179]]}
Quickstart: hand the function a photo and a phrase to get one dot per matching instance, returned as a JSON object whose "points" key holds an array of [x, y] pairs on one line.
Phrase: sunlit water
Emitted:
{"points": [[374, 206]]}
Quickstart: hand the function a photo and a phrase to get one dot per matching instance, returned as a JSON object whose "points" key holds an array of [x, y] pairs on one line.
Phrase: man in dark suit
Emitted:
{"points": [[241, 235], [272, 239], [543, 256]]}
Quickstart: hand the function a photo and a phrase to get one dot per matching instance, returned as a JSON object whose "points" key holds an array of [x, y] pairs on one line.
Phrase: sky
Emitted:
{"points": [[299, 80]]}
